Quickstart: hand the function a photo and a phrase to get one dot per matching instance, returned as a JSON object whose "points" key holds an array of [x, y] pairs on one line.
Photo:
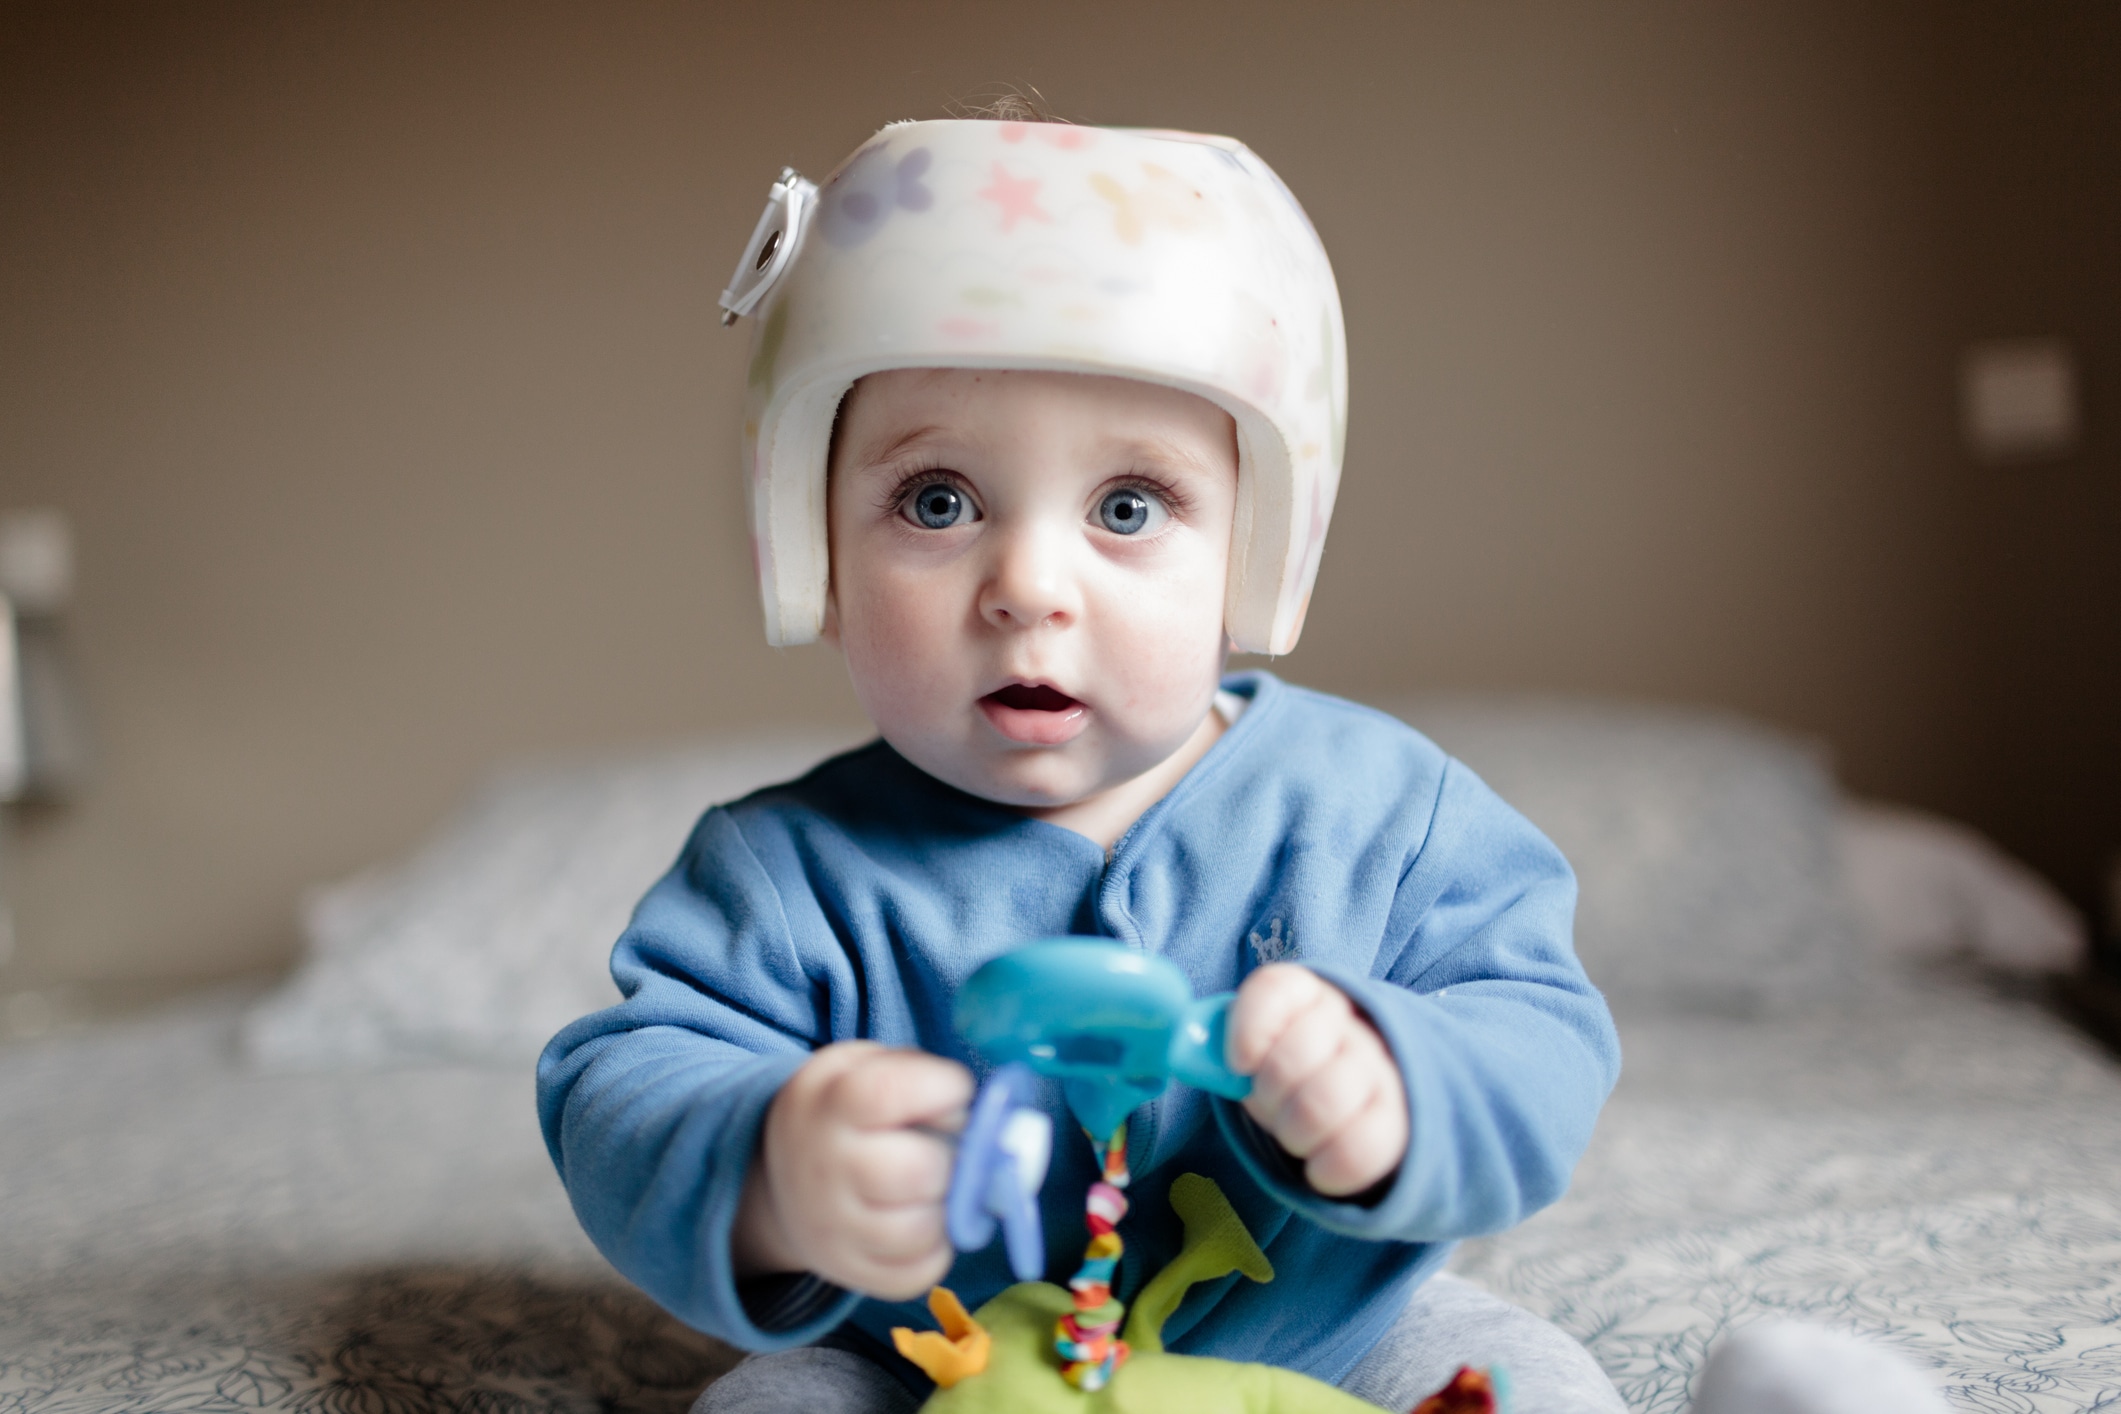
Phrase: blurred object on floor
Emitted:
{"points": [[1795, 1367]]}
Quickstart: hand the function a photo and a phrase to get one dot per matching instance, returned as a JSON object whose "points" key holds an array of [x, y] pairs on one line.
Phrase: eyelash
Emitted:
{"points": [[893, 501], [1177, 502]]}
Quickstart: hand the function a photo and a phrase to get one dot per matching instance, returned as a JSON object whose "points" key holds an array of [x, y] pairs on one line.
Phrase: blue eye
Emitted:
{"points": [[1128, 511], [938, 506]]}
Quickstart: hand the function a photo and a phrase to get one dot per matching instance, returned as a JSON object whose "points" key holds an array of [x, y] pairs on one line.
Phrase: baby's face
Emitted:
{"points": [[1028, 573]]}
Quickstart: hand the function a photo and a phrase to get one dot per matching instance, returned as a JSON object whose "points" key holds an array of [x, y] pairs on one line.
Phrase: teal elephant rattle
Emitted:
{"points": [[1115, 1025]]}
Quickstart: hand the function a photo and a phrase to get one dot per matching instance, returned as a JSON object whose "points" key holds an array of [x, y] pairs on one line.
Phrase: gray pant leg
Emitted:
{"points": [[1450, 1322], [808, 1380]]}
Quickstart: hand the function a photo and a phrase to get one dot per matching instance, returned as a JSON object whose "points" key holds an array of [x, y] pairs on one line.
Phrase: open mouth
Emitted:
{"points": [[1021, 698], [1035, 716]]}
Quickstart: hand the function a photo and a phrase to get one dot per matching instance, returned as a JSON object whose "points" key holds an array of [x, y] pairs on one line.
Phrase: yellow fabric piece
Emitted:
{"points": [[1104, 1244], [957, 1352]]}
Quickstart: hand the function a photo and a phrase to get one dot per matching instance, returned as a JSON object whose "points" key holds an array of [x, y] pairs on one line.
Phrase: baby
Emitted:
{"points": [[1043, 421]]}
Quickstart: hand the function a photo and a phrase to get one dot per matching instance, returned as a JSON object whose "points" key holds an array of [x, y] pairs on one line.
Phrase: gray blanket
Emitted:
{"points": [[1934, 1166]]}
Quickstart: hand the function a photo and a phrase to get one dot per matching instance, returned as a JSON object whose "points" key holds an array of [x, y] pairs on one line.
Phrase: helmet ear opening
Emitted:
{"points": [[1259, 536], [788, 510]]}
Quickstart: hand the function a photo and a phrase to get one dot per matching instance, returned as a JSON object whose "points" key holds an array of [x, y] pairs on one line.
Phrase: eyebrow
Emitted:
{"points": [[898, 446], [1162, 449]]}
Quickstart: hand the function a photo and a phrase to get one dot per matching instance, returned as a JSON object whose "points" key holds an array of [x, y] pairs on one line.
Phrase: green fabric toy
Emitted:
{"points": [[1019, 1373]]}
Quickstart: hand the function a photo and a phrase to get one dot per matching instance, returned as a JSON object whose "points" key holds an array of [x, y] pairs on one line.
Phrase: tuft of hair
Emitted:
{"points": [[1005, 103]]}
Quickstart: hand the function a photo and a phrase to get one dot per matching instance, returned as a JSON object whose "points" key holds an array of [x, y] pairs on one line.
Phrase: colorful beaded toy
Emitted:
{"points": [[1087, 1338]]}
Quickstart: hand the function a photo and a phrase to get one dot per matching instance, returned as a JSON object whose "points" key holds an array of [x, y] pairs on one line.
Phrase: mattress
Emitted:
{"points": [[1932, 1164], [182, 1232]]}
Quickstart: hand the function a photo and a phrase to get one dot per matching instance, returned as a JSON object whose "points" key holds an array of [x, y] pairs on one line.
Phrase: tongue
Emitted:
{"points": [[1032, 699]]}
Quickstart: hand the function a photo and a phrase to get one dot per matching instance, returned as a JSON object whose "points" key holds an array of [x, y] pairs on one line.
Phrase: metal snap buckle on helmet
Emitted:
{"points": [[773, 244]]}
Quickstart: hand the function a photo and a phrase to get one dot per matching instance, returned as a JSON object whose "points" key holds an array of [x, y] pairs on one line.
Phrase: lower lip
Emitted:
{"points": [[1037, 728]]}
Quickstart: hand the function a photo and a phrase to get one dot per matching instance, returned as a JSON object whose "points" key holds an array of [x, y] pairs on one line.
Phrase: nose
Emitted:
{"points": [[1031, 583]]}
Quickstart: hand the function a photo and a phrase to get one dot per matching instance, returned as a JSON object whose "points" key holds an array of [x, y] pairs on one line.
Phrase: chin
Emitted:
{"points": [[1024, 780], [1038, 788]]}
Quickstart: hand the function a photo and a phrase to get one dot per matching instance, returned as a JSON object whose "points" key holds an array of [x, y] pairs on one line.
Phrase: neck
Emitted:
{"points": [[1110, 813]]}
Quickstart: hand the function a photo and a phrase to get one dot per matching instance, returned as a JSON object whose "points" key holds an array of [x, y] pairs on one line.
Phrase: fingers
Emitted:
{"points": [[1365, 1150], [895, 1280], [897, 1237], [1327, 1101], [890, 1089], [853, 1170], [1300, 1026], [892, 1252], [1324, 1083], [1266, 1003], [892, 1168]]}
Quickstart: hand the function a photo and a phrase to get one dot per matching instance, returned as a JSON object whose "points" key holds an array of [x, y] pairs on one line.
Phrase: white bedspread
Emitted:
{"points": [[183, 1233], [1935, 1167]]}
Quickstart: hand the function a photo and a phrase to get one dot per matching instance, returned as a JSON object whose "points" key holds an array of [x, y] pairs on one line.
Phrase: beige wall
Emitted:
{"points": [[372, 350]]}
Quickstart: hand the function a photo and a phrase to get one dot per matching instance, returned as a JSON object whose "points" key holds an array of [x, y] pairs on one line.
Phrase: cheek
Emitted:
{"points": [[1167, 635], [895, 630]]}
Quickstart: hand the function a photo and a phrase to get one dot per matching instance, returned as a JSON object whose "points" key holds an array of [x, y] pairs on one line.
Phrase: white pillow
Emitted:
{"points": [[1712, 855], [498, 931], [1705, 845], [1927, 889]]}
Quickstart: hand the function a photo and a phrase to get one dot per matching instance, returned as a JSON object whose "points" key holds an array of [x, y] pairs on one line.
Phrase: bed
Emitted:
{"points": [[333, 1196]]}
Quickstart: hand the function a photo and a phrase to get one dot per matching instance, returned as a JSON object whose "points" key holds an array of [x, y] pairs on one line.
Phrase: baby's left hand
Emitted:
{"points": [[1323, 1082]]}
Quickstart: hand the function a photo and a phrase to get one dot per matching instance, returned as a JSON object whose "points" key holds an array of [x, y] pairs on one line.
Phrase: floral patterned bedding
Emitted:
{"points": [[1934, 1165]]}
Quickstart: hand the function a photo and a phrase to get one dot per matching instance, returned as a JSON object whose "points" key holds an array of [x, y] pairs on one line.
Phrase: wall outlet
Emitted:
{"points": [[2018, 400]]}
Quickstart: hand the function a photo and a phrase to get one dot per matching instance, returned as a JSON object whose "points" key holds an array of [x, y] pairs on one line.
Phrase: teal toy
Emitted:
{"points": [[1113, 1024]]}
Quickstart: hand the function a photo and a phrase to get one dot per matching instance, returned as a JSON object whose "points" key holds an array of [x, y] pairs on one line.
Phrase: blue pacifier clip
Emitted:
{"points": [[1001, 1164]]}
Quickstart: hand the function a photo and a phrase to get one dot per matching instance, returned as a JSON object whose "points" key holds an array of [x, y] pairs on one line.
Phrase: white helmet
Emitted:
{"points": [[967, 243]]}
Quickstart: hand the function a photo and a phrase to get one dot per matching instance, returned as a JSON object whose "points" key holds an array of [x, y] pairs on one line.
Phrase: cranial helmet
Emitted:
{"points": [[1170, 257]]}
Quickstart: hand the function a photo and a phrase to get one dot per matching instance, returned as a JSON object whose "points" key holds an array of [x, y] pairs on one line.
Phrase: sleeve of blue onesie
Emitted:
{"points": [[652, 1108], [1506, 1050]]}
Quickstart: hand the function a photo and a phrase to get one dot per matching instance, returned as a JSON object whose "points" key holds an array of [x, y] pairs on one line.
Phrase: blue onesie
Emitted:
{"points": [[853, 903]]}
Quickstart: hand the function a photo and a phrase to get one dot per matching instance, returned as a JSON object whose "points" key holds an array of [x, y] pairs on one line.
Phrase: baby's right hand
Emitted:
{"points": [[849, 1179]]}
